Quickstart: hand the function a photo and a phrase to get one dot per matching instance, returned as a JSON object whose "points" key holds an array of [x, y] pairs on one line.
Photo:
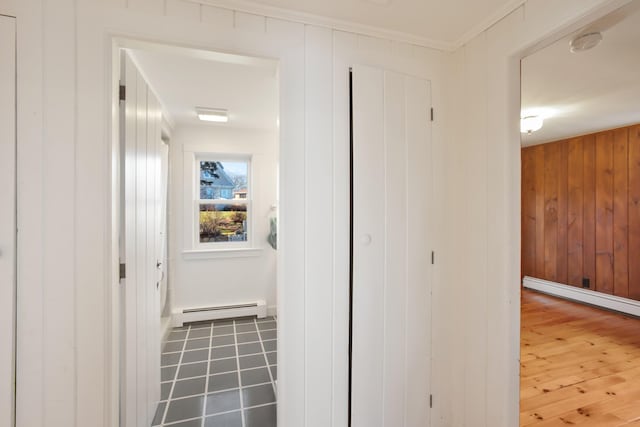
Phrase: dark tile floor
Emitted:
{"points": [[219, 374]]}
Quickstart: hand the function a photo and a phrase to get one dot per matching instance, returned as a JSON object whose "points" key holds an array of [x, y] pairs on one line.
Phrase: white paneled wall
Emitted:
{"points": [[65, 370]]}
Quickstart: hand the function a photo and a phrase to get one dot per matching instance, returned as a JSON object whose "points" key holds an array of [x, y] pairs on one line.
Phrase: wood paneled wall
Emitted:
{"points": [[581, 211]]}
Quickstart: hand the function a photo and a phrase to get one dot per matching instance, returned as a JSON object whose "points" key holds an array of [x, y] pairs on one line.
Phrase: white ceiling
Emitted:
{"points": [[435, 23], [184, 80], [589, 91]]}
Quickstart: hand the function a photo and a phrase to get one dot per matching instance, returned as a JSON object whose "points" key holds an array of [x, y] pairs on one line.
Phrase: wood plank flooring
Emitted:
{"points": [[579, 365]]}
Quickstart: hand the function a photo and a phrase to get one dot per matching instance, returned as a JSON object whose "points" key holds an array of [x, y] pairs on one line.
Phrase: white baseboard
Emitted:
{"points": [[199, 314], [611, 302]]}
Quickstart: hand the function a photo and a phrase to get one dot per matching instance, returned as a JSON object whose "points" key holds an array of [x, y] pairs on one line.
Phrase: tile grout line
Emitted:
{"points": [[235, 340], [264, 354], [175, 376], [206, 381]]}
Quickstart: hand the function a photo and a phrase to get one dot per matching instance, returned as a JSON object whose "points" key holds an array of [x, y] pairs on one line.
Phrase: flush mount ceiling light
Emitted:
{"points": [[585, 42], [530, 124], [218, 115]]}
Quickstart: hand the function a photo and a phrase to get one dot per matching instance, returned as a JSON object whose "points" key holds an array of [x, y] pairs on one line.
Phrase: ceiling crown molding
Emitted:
{"points": [[251, 7]]}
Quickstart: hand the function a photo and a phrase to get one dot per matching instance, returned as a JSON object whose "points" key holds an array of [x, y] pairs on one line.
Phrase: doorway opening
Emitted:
{"points": [[199, 207], [581, 226]]}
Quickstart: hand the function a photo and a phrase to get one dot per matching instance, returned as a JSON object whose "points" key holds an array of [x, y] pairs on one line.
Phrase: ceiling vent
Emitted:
{"points": [[585, 42]]}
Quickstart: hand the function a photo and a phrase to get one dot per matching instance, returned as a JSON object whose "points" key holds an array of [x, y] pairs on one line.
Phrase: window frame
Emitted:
{"points": [[197, 202]]}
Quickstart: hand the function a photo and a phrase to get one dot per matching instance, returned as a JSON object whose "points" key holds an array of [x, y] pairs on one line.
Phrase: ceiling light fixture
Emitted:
{"points": [[531, 124], [585, 42], [218, 115]]}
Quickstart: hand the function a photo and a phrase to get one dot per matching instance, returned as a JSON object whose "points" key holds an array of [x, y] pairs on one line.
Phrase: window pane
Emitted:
{"points": [[223, 180], [223, 223]]}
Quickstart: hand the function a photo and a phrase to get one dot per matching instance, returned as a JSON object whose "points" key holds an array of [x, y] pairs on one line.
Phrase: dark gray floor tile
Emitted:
{"points": [[264, 416], [157, 418], [246, 327], [201, 325], [195, 356], [253, 361], [172, 346], [197, 344], [270, 345], [274, 372], [223, 401], [189, 387], [267, 325], [254, 376], [272, 358], [199, 333], [177, 335], [191, 423], [165, 389], [251, 348], [258, 395], [223, 352], [223, 322], [223, 340], [168, 359], [224, 330], [249, 337], [193, 370], [266, 319], [180, 328], [183, 409], [223, 365], [167, 374], [221, 382], [231, 419], [244, 320], [269, 335]]}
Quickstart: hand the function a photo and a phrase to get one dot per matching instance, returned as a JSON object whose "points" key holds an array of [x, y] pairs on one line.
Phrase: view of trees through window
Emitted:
{"points": [[224, 197]]}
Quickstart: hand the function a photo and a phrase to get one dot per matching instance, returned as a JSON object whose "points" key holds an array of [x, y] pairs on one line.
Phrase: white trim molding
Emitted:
{"points": [[611, 302]]}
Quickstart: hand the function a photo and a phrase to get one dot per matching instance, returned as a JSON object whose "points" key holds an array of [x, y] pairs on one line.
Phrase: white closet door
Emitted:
{"points": [[391, 354], [7, 219], [141, 340]]}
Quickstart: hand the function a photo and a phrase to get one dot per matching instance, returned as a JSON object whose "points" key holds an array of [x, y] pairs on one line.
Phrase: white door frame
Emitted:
{"points": [[289, 334], [8, 211]]}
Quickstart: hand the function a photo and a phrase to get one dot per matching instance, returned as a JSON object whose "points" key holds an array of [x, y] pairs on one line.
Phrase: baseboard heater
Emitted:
{"points": [[200, 314], [599, 299]]}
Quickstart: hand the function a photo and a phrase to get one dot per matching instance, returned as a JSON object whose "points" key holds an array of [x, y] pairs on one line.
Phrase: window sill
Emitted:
{"points": [[221, 253]]}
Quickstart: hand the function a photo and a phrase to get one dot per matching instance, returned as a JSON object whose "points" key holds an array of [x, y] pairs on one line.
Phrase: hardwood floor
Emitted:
{"points": [[579, 365]]}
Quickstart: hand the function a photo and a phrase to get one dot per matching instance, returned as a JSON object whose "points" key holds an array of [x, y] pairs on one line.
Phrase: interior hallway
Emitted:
{"points": [[579, 365]]}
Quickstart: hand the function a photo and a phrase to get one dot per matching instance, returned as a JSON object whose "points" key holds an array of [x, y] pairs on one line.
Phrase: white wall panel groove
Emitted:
{"points": [[7, 219]]}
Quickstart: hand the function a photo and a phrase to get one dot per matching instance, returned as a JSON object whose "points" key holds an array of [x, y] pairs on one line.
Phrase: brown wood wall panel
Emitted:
{"points": [[561, 267], [574, 212], [581, 211], [604, 212], [528, 213], [634, 212], [589, 209], [539, 158], [551, 167], [620, 213]]}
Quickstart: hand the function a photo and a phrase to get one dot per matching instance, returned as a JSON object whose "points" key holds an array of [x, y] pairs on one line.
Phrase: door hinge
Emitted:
{"points": [[123, 271], [433, 257], [431, 401], [432, 114], [123, 93]]}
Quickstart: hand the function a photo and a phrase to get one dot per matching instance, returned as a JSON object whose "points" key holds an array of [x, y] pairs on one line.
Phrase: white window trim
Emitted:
{"points": [[193, 248]]}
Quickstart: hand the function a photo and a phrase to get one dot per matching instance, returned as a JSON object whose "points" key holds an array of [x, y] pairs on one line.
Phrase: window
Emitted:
{"points": [[223, 207]]}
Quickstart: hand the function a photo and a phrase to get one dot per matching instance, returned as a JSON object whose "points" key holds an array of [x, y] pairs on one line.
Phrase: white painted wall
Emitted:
{"points": [[65, 265], [203, 279], [477, 296]]}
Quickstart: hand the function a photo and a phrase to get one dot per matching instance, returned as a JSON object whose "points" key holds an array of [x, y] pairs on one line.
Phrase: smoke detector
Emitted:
{"points": [[585, 42]]}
